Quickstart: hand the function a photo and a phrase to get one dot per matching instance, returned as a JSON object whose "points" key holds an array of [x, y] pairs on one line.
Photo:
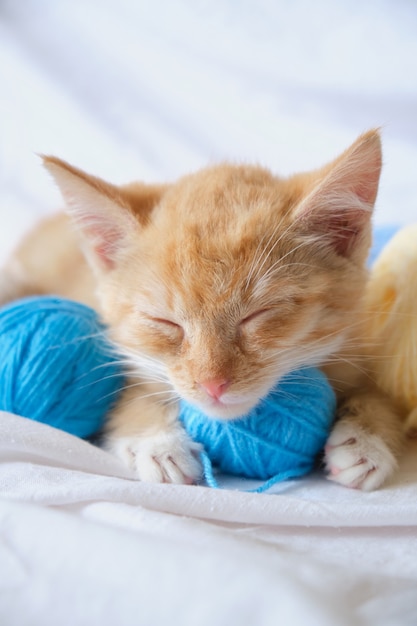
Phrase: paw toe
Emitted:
{"points": [[357, 459], [167, 457]]}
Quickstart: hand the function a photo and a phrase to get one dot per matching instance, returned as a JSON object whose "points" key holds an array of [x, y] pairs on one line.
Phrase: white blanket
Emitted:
{"points": [[84, 543], [131, 90]]}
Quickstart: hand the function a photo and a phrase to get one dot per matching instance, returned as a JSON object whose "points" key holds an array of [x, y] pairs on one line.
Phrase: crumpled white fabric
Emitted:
{"points": [[83, 542]]}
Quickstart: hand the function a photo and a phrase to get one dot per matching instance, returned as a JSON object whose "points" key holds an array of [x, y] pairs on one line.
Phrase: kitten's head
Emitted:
{"points": [[230, 278]]}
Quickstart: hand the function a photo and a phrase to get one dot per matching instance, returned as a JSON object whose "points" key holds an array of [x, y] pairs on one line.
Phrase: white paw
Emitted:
{"points": [[166, 457], [358, 459]]}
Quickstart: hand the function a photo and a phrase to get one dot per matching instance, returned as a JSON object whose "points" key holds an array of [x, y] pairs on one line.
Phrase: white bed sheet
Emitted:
{"points": [[151, 90], [83, 542]]}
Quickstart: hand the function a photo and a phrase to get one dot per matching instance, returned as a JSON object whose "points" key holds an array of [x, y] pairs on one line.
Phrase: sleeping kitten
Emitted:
{"points": [[213, 288]]}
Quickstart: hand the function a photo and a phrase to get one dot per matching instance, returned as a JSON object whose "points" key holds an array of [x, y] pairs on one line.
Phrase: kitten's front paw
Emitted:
{"points": [[358, 459], [165, 457]]}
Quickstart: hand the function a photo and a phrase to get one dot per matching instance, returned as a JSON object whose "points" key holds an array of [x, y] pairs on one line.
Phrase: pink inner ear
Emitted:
{"points": [[103, 252], [340, 207], [344, 230], [105, 240]]}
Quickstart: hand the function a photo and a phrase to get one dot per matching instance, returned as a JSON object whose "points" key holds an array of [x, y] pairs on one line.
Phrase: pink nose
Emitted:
{"points": [[215, 387]]}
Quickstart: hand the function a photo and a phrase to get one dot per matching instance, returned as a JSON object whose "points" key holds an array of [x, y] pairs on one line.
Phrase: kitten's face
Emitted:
{"points": [[232, 278], [224, 285]]}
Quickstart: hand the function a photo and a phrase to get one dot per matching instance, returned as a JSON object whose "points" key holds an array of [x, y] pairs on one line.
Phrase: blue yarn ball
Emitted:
{"points": [[279, 439], [56, 366]]}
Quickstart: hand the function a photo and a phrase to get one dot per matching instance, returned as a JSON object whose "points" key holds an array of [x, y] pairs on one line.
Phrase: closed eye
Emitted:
{"points": [[167, 328], [164, 322], [253, 316]]}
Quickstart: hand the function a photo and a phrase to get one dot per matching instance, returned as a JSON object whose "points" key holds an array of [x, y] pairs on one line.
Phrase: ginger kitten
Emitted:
{"points": [[213, 288]]}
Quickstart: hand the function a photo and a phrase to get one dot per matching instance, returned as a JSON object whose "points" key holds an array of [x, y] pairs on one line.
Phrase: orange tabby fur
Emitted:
{"points": [[213, 288]]}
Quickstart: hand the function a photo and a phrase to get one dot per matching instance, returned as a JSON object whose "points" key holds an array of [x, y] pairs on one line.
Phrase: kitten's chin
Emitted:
{"points": [[219, 410]]}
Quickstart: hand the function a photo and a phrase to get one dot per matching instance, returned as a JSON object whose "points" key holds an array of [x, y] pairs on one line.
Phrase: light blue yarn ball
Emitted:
{"points": [[56, 366], [279, 439]]}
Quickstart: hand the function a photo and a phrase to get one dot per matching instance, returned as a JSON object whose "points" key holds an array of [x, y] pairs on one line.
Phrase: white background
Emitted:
{"points": [[151, 90]]}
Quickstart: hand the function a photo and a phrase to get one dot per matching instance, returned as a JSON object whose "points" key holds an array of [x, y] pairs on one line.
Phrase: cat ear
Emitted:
{"points": [[99, 209], [339, 208]]}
